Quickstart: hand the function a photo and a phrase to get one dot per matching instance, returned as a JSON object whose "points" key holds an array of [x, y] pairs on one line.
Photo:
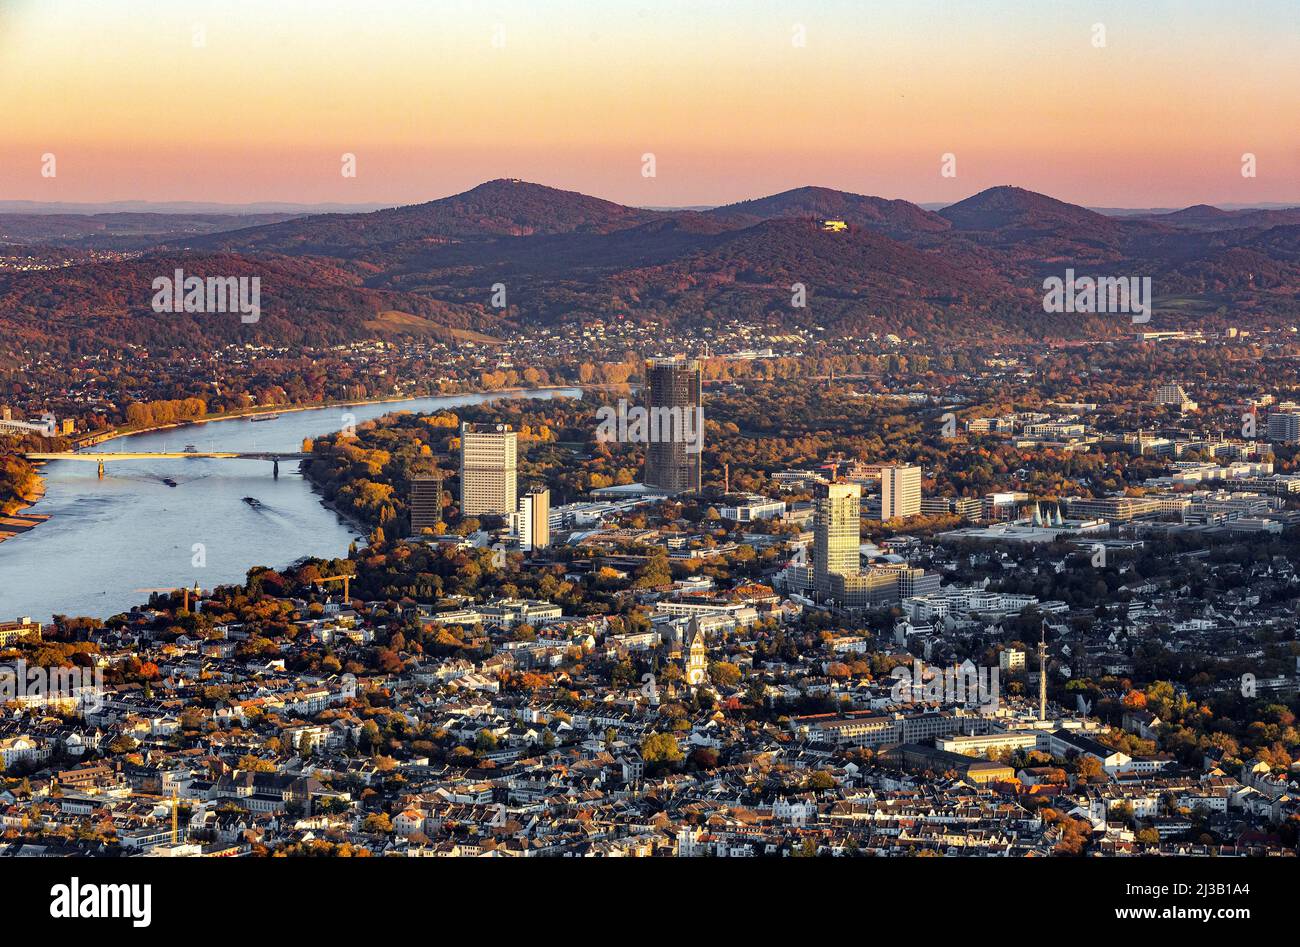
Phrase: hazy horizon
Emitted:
{"points": [[182, 206]]}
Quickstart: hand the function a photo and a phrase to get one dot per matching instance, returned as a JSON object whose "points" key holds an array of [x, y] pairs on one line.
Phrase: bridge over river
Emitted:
{"points": [[101, 458]]}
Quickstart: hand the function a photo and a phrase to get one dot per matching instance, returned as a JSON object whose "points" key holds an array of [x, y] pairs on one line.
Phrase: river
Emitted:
{"points": [[108, 539]]}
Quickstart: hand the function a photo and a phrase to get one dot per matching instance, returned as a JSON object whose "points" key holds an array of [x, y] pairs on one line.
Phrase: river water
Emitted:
{"points": [[107, 539]]}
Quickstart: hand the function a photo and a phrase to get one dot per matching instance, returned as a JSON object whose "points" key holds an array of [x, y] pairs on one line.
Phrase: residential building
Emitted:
{"points": [[1172, 393], [1012, 659]]}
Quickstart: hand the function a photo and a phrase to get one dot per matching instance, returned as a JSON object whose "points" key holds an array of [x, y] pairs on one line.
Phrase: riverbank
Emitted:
{"points": [[18, 522], [235, 416], [262, 411], [133, 530], [21, 522], [364, 529], [348, 519]]}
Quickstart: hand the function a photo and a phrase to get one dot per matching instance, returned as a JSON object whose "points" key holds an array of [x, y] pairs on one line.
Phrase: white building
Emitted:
{"points": [[900, 492], [754, 508], [488, 469], [531, 523]]}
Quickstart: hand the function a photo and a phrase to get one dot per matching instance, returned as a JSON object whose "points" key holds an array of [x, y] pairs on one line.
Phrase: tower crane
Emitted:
{"points": [[345, 579]]}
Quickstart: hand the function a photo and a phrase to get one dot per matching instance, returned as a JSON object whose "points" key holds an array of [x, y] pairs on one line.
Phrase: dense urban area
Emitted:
{"points": [[891, 597]]}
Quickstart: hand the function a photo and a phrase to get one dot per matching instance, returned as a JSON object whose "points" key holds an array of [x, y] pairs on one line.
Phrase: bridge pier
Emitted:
{"points": [[275, 468], [101, 469]]}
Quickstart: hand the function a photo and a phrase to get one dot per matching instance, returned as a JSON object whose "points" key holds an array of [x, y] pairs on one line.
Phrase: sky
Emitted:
{"points": [[1143, 103]]}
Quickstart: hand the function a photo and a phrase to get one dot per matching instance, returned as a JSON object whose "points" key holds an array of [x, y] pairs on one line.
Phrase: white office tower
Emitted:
{"points": [[900, 492], [488, 469], [531, 523]]}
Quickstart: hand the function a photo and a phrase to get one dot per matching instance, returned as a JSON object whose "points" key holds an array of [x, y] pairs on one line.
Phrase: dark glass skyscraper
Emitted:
{"points": [[425, 503], [672, 462]]}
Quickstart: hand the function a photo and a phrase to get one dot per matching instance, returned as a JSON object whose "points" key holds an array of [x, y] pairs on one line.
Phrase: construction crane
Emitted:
{"points": [[176, 802], [198, 593], [345, 579]]}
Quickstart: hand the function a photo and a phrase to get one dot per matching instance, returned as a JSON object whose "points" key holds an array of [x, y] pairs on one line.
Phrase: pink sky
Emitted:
{"points": [[731, 106]]}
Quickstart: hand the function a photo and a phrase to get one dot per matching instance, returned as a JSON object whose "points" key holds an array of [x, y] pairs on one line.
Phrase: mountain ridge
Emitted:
{"points": [[976, 265]]}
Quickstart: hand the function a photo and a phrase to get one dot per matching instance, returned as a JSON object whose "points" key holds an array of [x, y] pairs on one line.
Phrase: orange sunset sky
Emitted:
{"points": [[435, 97]]}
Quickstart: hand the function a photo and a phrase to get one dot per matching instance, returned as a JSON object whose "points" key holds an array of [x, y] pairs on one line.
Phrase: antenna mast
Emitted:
{"points": [[1042, 672]]}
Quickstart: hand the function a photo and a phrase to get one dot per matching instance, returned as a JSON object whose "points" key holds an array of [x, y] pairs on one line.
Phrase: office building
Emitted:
{"points": [[837, 527], [676, 441], [911, 581], [425, 502], [1004, 505], [488, 469], [936, 506], [531, 523], [13, 426], [971, 508], [754, 508], [24, 629], [1284, 427], [837, 574], [1112, 509], [900, 492]]}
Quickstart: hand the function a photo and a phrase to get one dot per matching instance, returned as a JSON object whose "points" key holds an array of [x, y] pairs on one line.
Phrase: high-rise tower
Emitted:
{"points": [[900, 492], [676, 422], [836, 534], [488, 469], [425, 502], [531, 523]]}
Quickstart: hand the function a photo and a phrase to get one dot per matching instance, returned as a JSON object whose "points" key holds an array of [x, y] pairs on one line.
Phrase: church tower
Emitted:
{"points": [[697, 656]]}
